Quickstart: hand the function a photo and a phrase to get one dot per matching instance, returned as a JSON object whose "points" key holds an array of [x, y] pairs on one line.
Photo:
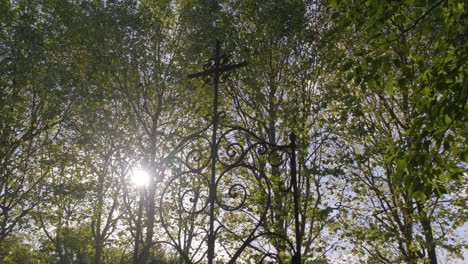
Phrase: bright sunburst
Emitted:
{"points": [[140, 177]]}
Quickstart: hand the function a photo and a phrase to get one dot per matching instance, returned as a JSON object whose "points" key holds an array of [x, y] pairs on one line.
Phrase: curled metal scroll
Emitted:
{"points": [[224, 61], [237, 146], [184, 194], [211, 66], [236, 184], [184, 198], [243, 190], [194, 155], [221, 177], [260, 255], [241, 203]]}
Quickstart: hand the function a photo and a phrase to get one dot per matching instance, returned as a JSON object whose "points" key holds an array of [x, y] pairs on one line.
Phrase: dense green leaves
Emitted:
{"points": [[375, 92], [396, 60], [419, 82]]}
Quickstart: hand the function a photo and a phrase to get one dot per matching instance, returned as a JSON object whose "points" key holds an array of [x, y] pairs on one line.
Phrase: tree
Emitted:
{"points": [[147, 86], [281, 92], [93, 90], [14, 250], [405, 140], [35, 101]]}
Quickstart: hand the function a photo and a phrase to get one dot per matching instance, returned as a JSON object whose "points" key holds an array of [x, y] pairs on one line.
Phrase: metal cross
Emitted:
{"points": [[217, 65], [213, 71]]}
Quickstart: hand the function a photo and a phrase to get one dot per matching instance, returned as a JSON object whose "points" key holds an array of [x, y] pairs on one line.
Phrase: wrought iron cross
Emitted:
{"points": [[217, 65], [215, 69]]}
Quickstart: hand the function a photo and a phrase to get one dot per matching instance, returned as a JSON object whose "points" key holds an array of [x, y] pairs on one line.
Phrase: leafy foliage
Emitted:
{"points": [[91, 90]]}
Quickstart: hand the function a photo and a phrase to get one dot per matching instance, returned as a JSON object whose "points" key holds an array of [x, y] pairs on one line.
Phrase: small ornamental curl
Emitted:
{"points": [[209, 66], [237, 193], [194, 159], [193, 201], [261, 148], [277, 158], [233, 150]]}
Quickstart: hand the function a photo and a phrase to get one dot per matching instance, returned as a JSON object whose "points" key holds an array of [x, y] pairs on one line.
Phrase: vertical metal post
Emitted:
{"points": [[220, 65], [214, 156]]}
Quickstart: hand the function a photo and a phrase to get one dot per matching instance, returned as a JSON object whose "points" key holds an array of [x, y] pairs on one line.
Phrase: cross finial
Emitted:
{"points": [[217, 67]]}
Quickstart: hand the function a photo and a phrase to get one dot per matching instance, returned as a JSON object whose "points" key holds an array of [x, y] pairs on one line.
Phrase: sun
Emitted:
{"points": [[140, 177]]}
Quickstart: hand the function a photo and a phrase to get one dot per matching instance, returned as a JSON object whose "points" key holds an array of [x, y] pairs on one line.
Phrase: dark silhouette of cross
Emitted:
{"points": [[219, 66], [214, 68]]}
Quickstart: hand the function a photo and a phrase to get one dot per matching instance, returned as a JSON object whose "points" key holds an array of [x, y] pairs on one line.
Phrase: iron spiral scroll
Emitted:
{"points": [[217, 194], [242, 189]]}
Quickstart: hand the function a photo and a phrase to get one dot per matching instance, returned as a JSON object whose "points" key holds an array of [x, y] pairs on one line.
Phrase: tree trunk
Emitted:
{"points": [[146, 251], [98, 253], [138, 230], [428, 236]]}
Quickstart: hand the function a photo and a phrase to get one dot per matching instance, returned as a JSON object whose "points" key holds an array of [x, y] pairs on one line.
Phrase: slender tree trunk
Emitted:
{"points": [[278, 197], [97, 224], [98, 253], [428, 235], [145, 254], [136, 249]]}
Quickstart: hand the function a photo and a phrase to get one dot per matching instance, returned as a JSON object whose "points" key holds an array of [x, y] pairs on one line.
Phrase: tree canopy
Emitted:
{"points": [[374, 91]]}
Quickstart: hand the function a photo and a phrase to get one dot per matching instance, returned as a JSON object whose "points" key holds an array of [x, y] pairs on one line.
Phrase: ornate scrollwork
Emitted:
{"points": [[194, 154], [209, 66], [259, 255], [219, 184], [277, 157], [194, 201], [212, 67], [223, 62], [245, 201], [184, 199], [232, 189], [237, 145], [243, 190]]}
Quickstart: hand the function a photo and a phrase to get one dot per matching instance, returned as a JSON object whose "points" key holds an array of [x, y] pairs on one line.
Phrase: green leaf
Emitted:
{"points": [[401, 164], [420, 196], [334, 4], [447, 120], [389, 88], [372, 84], [444, 177]]}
